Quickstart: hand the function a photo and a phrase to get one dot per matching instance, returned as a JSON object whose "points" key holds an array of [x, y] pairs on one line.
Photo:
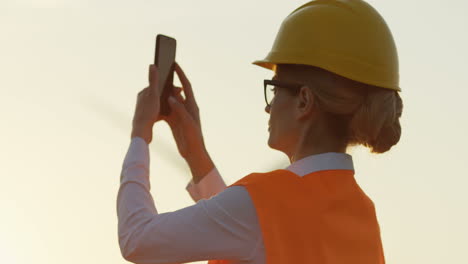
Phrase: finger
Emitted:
{"points": [[185, 82], [177, 93], [178, 109], [177, 90], [153, 77], [179, 98]]}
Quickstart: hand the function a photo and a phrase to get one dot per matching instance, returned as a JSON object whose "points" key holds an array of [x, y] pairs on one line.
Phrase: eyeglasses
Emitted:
{"points": [[271, 86]]}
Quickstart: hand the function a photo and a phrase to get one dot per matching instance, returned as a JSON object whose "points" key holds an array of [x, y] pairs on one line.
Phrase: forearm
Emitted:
{"points": [[200, 164], [206, 180]]}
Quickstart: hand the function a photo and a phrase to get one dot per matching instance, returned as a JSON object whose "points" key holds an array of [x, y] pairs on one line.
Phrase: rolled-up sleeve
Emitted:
{"points": [[222, 227], [207, 187]]}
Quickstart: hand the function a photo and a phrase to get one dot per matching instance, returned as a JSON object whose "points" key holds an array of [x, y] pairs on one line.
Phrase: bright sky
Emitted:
{"points": [[70, 72]]}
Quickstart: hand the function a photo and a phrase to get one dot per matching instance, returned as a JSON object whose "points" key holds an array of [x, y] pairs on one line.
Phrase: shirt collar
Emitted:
{"points": [[323, 161]]}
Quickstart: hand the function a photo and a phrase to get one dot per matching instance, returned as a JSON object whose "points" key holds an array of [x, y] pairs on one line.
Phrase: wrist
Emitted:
{"points": [[143, 131], [200, 165]]}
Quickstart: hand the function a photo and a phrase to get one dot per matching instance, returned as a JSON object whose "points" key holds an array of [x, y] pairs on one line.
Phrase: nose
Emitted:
{"points": [[267, 109]]}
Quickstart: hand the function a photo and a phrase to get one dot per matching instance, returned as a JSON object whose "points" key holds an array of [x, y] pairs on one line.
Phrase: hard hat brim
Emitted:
{"points": [[268, 64], [265, 64]]}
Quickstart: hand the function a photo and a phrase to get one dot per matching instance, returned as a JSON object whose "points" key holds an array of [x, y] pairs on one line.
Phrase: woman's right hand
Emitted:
{"points": [[184, 121]]}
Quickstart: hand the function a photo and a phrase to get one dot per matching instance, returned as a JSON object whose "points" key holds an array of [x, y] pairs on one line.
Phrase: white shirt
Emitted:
{"points": [[221, 225]]}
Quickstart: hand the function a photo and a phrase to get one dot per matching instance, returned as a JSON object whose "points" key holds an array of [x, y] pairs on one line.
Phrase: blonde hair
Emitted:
{"points": [[355, 113]]}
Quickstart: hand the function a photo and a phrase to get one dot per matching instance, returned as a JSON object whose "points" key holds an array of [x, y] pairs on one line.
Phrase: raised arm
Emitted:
{"points": [[224, 227], [139, 223]]}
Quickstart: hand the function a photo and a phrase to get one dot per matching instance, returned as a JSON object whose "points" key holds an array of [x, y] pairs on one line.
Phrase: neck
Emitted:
{"points": [[314, 141]]}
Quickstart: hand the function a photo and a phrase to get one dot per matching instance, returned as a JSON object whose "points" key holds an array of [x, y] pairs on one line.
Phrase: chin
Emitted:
{"points": [[274, 144], [271, 143]]}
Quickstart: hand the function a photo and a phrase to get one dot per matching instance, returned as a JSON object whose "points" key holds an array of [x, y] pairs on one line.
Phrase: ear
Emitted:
{"points": [[305, 102]]}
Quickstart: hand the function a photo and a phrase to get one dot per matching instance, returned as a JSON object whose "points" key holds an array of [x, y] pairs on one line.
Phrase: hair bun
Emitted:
{"points": [[375, 124]]}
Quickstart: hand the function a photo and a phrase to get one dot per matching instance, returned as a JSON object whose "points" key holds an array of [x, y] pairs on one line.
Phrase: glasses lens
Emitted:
{"points": [[269, 93]]}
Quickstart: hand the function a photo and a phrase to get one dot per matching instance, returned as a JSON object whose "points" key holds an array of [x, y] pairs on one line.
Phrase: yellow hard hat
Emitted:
{"points": [[346, 37]]}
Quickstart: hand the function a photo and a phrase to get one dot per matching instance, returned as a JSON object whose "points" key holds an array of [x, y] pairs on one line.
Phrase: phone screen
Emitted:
{"points": [[164, 59]]}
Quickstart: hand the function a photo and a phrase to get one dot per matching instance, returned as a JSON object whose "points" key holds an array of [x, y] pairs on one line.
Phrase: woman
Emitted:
{"points": [[335, 85]]}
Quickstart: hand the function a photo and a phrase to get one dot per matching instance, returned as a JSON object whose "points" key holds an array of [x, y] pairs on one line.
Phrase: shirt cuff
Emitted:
{"points": [[136, 164], [207, 187]]}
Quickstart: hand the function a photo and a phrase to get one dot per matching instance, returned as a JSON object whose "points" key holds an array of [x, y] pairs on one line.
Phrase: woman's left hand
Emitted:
{"points": [[147, 108]]}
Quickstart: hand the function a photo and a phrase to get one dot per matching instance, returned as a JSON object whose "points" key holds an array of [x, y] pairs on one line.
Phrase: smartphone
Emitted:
{"points": [[164, 59]]}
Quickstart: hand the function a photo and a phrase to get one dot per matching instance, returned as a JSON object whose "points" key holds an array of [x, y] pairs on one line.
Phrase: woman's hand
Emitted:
{"points": [[184, 121], [147, 108]]}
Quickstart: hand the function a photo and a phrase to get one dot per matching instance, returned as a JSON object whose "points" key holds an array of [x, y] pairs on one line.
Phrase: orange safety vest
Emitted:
{"points": [[321, 218]]}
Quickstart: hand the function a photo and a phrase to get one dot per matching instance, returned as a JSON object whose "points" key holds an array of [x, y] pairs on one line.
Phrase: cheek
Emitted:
{"points": [[281, 122], [281, 111]]}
